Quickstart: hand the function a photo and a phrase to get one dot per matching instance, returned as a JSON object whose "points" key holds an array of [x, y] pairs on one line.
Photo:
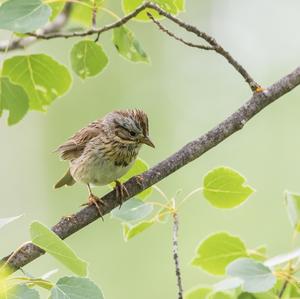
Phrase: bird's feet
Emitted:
{"points": [[94, 200], [121, 192]]}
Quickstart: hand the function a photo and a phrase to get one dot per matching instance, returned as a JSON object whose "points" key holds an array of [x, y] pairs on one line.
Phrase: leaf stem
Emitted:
{"points": [[190, 195]]}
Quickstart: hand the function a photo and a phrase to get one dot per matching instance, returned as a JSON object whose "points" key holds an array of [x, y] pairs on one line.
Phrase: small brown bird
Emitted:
{"points": [[104, 151]]}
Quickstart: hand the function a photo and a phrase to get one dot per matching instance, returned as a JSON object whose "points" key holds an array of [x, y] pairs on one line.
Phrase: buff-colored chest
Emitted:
{"points": [[99, 172], [97, 167]]}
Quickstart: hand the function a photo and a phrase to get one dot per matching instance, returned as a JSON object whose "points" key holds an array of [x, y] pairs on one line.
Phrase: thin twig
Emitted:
{"points": [[162, 28], [92, 31], [282, 290], [175, 255], [94, 14], [188, 153], [54, 32], [209, 39], [50, 34], [217, 47]]}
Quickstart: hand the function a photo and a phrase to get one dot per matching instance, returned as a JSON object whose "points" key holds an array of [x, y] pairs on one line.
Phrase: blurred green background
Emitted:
{"points": [[185, 92]]}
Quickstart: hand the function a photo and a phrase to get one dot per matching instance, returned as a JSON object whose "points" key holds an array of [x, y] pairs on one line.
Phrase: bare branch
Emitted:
{"points": [[217, 47], [162, 28], [51, 33], [175, 255], [282, 290], [191, 151], [255, 87], [93, 31]]}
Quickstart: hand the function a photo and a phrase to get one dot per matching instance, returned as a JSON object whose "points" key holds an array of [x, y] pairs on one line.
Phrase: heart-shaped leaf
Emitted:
{"points": [[43, 78], [88, 59], [23, 15], [217, 251], [225, 188], [255, 275], [128, 46]]}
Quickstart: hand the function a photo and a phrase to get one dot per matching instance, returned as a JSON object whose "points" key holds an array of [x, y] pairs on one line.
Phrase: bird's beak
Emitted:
{"points": [[146, 140]]}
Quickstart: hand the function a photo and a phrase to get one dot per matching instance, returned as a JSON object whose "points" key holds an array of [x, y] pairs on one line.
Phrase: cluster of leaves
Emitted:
{"points": [[33, 82], [79, 286], [72, 287], [250, 273]]}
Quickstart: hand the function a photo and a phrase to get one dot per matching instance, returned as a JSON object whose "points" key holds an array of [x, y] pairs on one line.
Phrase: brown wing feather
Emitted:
{"points": [[75, 145]]}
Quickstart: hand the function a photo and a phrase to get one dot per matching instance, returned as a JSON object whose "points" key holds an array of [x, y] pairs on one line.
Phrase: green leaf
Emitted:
{"points": [[5, 221], [255, 275], [217, 251], [21, 292], [224, 188], [132, 210], [51, 243], [56, 8], [246, 295], [138, 167], [23, 16], [82, 12], [88, 59], [14, 99], [220, 295], [76, 288], [180, 4], [293, 291], [171, 6], [43, 78], [128, 46], [198, 293], [130, 231], [292, 202]]}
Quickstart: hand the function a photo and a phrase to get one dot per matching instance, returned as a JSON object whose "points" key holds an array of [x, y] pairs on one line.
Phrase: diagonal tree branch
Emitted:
{"points": [[191, 151]]}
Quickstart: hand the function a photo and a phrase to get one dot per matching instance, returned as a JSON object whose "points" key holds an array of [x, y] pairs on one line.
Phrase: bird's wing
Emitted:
{"points": [[75, 145]]}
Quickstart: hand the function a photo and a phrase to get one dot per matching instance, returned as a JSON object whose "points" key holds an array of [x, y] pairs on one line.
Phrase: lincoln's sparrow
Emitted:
{"points": [[105, 150]]}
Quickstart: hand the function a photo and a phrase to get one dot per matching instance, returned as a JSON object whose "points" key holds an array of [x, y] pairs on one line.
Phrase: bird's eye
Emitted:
{"points": [[132, 133]]}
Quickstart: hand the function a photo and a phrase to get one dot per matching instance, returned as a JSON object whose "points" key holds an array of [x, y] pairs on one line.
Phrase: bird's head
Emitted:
{"points": [[130, 127]]}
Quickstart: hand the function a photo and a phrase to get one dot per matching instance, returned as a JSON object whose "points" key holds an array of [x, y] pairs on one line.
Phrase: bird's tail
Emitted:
{"points": [[67, 179]]}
